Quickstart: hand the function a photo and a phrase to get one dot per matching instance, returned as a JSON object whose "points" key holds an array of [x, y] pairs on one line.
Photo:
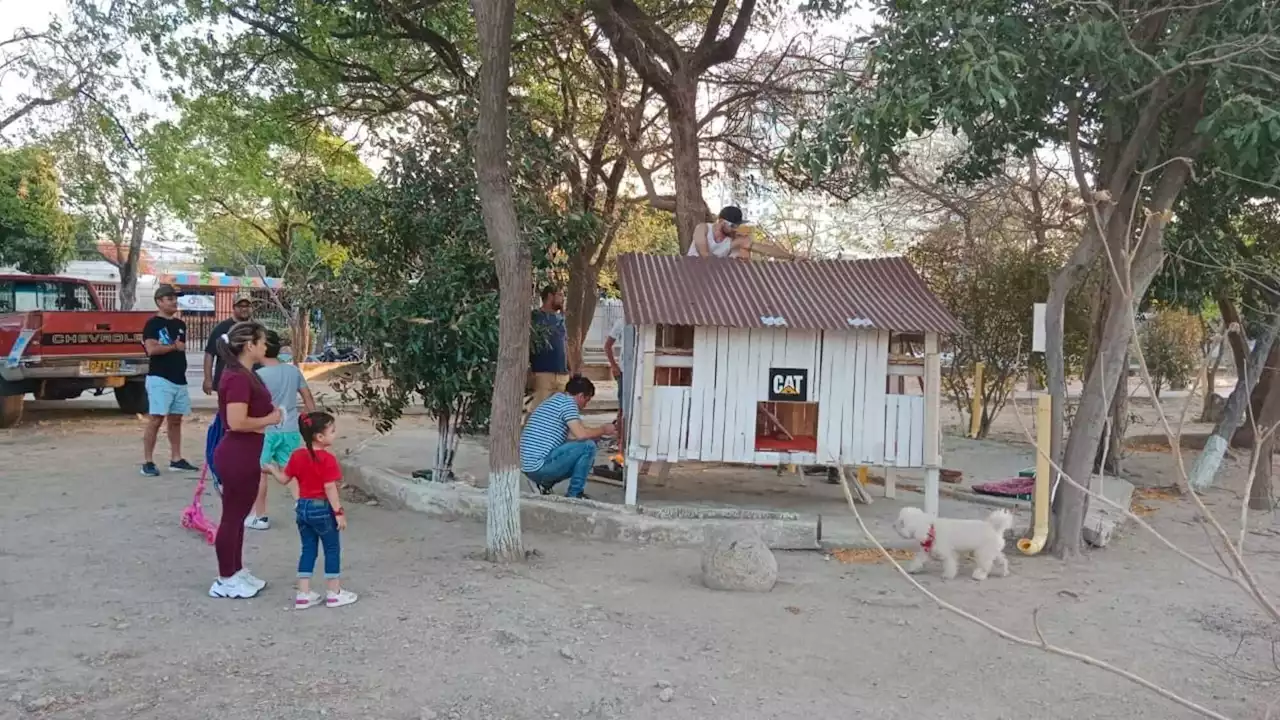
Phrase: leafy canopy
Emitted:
{"points": [[1007, 75], [36, 236], [419, 291]]}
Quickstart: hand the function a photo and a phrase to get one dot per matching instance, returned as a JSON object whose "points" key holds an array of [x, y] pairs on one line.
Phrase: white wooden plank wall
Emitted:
{"points": [[904, 431], [714, 420], [701, 405], [723, 372], [831, 412]]}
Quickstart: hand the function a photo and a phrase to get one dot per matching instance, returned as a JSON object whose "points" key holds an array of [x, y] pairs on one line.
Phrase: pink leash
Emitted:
{"points": [[193, 515]]}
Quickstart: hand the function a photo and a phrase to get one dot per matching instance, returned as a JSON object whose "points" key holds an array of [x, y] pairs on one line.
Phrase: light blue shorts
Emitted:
{"points": [[167, 398]]}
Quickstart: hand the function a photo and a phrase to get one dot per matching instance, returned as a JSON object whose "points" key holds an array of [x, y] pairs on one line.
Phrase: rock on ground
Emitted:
{"points": [[738, 560]]}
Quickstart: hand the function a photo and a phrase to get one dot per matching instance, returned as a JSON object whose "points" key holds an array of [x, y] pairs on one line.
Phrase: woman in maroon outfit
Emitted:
{"points": [[244, 404]]}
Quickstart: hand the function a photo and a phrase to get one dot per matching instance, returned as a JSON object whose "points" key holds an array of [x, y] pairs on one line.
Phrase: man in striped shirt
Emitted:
{"points": [[556, 446]]}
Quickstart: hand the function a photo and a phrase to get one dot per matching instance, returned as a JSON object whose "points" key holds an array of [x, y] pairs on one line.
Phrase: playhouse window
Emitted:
{"points": [[674, 339], [673, 376], [787, 427]]}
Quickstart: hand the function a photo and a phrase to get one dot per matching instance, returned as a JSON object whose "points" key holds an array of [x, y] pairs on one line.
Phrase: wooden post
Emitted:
{"points": [[1042, 494], [975, 407], [932, 422], [647, 338], [890, 482], [633, 478]]}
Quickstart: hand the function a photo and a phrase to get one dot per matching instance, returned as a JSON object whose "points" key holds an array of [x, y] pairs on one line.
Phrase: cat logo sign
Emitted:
{"points": [[788, 385]]}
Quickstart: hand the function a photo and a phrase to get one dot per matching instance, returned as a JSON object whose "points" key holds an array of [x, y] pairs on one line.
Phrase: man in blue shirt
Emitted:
{"points": [[555, 445], [548, 359]]}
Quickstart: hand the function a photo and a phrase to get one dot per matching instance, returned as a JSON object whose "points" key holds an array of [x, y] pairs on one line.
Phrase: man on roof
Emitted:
{"points": [[729, 236]]}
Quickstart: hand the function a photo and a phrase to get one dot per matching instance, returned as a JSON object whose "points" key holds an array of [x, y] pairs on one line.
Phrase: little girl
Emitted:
{"points": [[313, 474]]}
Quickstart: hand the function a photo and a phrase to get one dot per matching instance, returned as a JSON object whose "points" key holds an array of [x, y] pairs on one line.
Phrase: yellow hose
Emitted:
{"points": [[1040, 495]]}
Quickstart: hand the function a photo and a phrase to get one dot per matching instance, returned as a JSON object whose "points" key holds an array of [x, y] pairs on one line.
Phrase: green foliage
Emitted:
{"points": [[1172, 345], [233, 170], [1222, 244], [364, 59], [991, 287], [36, 236], [419, 292], [645, 230], [1004, 74]]}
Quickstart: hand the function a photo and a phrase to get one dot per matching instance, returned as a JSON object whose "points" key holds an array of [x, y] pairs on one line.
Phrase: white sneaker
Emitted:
{"points": [[232, 587], [250, 579], [340, 598], [306, 600], [253, 522]]}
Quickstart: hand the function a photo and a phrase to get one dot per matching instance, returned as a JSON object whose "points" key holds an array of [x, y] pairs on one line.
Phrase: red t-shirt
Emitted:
{"points": [[312, 473]]}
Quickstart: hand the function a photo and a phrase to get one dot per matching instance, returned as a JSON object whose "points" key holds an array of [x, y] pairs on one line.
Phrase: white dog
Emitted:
{"points": [[946, 538]]}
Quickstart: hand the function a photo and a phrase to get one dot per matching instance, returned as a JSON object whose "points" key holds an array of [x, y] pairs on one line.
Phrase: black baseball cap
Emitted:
{"points": [[732, 214], [166, 291]]}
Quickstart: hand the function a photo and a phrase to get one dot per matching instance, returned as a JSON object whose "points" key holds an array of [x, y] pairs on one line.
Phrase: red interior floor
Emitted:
{"points": [[799, 443]]}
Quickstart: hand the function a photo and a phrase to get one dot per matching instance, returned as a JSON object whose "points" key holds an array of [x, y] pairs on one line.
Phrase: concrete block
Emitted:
{"points": [[677, 527], [1101, 520]]}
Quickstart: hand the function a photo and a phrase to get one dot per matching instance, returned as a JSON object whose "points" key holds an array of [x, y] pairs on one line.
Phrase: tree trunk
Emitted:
{"points": [[1261, 492], [1086, 429], [1210, 385], [128, 265], [515, 279], [1210, 458], [580, 305], [1055, 361], [1111, 447], [682, 114], [1243, 437], [442, 470]]}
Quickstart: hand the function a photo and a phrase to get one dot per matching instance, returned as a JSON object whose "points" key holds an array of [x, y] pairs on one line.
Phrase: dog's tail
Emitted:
{"points": [[1001, 520]]}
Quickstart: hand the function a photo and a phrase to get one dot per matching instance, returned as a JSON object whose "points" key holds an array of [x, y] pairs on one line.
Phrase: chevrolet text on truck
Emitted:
{"points": [[56, 341]]}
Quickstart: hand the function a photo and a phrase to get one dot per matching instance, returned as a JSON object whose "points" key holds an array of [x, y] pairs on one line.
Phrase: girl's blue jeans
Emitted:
{"points": [[317, 526]]}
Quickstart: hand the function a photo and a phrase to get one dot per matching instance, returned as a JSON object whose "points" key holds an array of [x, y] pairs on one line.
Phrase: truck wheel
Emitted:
{"points": [[132, 398], [10, 410]]}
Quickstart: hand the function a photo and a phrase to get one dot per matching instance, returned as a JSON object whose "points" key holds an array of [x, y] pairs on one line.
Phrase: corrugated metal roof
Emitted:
{"points": [[881, 293]]}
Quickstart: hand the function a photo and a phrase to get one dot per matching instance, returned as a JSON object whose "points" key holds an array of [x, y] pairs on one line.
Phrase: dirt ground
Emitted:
{"points": [[103, 614]]}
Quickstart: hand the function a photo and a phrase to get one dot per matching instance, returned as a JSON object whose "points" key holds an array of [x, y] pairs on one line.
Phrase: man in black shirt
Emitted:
{"points": [[165, 339], [242, 311]]}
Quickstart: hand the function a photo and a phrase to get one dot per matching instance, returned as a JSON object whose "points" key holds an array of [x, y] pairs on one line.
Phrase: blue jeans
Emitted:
{"points": [[317, 526], [571, 460]]}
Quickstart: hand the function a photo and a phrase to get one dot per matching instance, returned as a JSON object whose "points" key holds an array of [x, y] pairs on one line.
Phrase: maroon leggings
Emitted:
{"points": [[237, 458]]}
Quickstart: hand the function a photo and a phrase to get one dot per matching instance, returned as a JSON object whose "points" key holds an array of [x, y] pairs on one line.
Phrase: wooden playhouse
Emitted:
{"points": [[770, 363]]}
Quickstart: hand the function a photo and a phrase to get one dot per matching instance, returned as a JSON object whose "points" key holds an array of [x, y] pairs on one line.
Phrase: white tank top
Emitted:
{"points": [[718, 249]]}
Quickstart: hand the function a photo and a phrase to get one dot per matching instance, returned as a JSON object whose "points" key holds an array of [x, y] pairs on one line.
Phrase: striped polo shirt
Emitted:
{"points": [[546, 430]]}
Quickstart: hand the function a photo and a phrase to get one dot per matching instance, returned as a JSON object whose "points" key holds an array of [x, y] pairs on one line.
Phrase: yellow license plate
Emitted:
{"points": [[95, 368]]}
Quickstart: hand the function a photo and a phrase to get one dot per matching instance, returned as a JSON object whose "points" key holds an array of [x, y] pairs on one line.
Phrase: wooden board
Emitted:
{"points": [[701, 398], [854, 452], [873, 397], [916, 458], [682, 433], [890, 454], [719, 410], [830, 428], [662, 439]]}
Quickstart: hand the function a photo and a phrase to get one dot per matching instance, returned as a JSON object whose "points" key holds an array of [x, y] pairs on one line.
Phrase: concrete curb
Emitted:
{"points": [[966, 495], [675, 527]]}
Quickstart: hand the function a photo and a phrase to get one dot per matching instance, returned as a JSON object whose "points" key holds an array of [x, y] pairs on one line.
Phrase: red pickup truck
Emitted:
{"points": [[56, 341]]}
